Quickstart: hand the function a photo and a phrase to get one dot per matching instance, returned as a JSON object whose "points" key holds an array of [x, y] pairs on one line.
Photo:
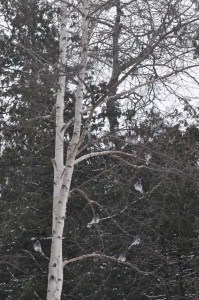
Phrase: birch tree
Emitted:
{"points": [[144, 54], [63, 174]]}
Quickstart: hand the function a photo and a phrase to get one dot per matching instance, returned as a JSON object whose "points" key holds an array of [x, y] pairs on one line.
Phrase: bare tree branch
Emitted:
{"points": [[102, 256]]}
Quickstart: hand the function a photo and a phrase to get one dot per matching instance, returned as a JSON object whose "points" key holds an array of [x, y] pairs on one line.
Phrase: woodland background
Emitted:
{"points": [[165, 216]]}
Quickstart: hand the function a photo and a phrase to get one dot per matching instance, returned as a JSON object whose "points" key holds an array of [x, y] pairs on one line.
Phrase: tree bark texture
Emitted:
{"points": [[63, 174]]}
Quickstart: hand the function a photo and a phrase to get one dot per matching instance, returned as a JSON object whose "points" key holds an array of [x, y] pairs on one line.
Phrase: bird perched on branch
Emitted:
{"points": [[122, 257], [95, 220], [37, 247], [138, 185], [136, 241]]}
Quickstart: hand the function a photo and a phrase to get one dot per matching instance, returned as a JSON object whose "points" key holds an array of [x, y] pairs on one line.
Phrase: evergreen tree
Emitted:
{"points": [[29, 51]]}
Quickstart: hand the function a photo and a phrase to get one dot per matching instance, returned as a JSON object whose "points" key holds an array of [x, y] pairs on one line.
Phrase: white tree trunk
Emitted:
{"points": [[63, 175]]}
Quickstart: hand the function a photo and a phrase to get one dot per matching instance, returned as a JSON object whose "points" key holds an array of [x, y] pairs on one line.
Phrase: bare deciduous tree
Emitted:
{"points": [[129, 49]]}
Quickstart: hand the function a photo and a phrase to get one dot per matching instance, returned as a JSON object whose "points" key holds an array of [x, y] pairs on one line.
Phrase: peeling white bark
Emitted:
{"points": [[55, 276], [63, 175], [58, 161]]}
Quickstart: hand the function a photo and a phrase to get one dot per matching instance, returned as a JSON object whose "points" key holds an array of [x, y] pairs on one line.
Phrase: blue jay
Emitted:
{"points": [[122, 257], [37, 246], [136, 241], [95, 220], [138, 185]]}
